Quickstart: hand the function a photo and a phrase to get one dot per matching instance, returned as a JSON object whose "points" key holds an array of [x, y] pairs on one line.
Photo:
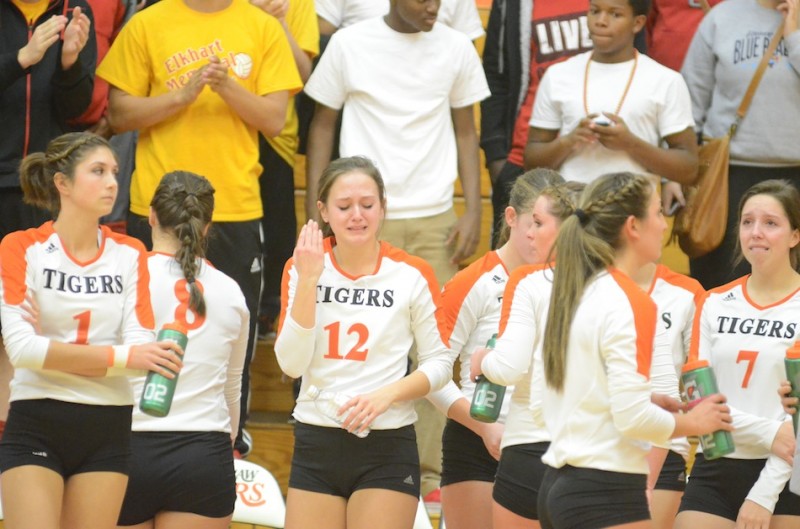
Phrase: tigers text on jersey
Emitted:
{"points": [[104, 301], [745, 344], [522, 320], [364, 329], [676, 297], [209, 387], [603, 418], [471, 303]]}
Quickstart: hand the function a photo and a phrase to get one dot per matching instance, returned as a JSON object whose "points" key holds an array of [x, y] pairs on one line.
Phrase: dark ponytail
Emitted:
{"points": [[183, 204]]}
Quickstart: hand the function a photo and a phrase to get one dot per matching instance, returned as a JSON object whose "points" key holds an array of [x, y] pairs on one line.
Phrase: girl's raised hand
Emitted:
{"points": [[309, 252]]}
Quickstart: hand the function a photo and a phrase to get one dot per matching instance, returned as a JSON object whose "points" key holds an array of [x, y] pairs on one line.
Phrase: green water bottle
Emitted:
{"points": [[699, 382], [792, 363], [487, 401], [158, 390]]}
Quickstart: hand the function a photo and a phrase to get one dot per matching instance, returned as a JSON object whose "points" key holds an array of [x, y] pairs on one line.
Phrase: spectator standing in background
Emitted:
{"points": [[523, 38], [724, 53]]}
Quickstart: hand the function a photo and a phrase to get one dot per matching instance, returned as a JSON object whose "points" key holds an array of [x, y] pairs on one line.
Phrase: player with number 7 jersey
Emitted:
{"points": [[743, 330]]}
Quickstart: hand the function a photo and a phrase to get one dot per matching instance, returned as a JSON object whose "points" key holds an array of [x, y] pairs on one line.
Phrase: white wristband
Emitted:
{"points": [[121, 355]]}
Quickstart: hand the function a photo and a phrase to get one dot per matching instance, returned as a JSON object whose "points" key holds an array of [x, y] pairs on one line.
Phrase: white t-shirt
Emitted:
{"points": [[364, 329], [657, 105], [104, 301], [397, 90], [209, 387], [461, 15]]}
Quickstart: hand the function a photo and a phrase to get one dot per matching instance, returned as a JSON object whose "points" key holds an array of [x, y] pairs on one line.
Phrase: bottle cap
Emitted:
{"points": [[793, 353], [694, 364], [175, 326], [313, 392]]}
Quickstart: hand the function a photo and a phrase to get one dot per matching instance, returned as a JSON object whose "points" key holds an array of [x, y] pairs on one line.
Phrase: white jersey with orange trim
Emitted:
{"points": [[209, 387], [471, 303], [746, 344], [522, 320], [365, 327], [104, 301], [603, 418], [676, 297]]}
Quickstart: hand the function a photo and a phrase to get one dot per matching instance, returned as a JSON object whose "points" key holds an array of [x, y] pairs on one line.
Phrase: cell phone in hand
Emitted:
{"points": [[673, 208], [602, 120]]}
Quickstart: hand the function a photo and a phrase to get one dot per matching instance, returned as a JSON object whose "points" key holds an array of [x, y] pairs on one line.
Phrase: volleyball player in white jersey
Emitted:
{"points": [[471, 303], [743, 330], [352, 307], [596, 351], [524, 441], [676, 297], [71, 289], [182, 473]]}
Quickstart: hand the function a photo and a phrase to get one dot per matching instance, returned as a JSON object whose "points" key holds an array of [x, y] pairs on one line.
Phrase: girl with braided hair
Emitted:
{"points": [[72, 290], [525, 439], [168, 488], [597, 347]]}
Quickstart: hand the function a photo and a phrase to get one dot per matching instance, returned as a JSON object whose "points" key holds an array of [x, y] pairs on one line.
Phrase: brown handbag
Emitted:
{"points": [[701, 224]]}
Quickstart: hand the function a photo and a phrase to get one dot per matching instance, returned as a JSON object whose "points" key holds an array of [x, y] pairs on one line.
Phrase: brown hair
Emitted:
{"points": [[63, 154], [342, 166], [523, 194], [586, 244], [183, 204], [788, 196]]}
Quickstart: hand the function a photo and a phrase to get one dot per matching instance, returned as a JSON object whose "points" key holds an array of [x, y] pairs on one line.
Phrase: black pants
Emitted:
{"points": [[501, 192], [279, 223], [717, 267], [235, 249]]}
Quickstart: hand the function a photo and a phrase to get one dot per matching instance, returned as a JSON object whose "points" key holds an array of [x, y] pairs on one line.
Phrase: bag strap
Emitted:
{"points": [[754, 82]]}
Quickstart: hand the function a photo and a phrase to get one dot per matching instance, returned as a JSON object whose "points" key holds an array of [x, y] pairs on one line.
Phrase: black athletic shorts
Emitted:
{"points": [[189, 472], [519, 478], [333, 461], [720, 486], [586, 498], [66, 437], [464, 456], [673, 473]]}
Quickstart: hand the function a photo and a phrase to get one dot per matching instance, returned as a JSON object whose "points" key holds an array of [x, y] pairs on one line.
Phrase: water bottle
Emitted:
{"points": [[487, 401], [699, 382], [792, 363], [158, 390], [328, 403]]}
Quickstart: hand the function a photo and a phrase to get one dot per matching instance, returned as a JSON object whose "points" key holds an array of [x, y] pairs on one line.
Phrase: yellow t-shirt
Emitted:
{"points": [[156, 52], [302, 22], [31, 10]]}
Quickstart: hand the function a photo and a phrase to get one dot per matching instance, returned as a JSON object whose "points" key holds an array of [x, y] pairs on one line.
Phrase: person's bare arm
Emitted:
{"points": [[545, 148], [468, 228], [677, 163], [321, 135]]}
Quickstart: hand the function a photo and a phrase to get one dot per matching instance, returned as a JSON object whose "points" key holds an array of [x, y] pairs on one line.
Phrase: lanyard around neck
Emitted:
{"points": [[624, 94]]}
